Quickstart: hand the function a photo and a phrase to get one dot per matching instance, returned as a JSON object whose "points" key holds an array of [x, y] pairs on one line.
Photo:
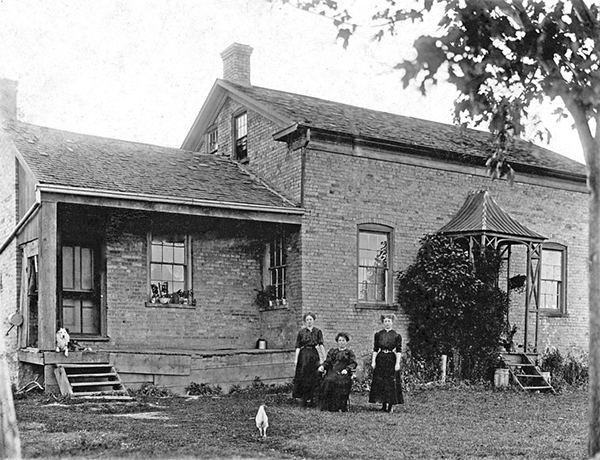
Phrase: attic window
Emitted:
{"points": [[241, 136], [213, 141]]}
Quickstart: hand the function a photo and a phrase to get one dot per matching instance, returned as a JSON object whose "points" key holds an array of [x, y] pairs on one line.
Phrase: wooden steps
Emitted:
{"points": [[83, 380], [525, 373]]}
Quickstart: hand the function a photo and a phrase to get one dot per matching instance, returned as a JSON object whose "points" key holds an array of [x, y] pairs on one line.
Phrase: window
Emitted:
{"points": [[170, 277], [241, 136], [278, 267], [553, 278], [373, 264], [213, 141], [80, 290]]}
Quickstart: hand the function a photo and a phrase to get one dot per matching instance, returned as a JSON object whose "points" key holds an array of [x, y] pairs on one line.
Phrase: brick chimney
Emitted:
{"points": [[236, 63], [8, 100]]}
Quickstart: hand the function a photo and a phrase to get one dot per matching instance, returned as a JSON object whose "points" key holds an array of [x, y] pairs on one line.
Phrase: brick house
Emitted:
{"points": [[275, 205]]}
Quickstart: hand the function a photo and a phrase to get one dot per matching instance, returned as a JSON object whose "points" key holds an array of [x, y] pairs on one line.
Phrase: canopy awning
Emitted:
{"points": [[480, 215]]}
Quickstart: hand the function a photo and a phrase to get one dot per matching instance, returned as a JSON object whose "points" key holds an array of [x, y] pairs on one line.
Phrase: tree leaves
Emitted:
{"points": [[498, 54]]}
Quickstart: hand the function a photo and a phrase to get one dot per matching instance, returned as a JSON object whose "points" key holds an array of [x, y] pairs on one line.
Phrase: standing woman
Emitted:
{"points": [[310, 353], [386, 387]]}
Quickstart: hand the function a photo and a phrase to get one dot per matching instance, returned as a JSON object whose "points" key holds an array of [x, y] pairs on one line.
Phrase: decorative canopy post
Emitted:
{"points": [[483, 224]]}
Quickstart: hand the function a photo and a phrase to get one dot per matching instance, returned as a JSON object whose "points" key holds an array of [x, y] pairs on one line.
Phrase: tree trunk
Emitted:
{"points": [[594, 301], [10, 441]]}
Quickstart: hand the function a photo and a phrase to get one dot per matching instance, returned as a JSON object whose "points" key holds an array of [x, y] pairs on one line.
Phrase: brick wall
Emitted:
{"points": [[344, 188], [226, 271], [275, 163], [416, 199]]}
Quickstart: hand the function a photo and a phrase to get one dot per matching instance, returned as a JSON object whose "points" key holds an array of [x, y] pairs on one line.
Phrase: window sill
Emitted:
{"points": [[274, 307], [553, 313], [374, 306], [170, 305]]}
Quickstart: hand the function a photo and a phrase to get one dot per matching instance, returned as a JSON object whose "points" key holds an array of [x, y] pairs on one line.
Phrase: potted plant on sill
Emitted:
{"points": [[265, 297]]}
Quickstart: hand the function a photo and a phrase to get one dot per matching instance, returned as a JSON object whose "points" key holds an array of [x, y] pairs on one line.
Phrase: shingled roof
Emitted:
{"points": [[412, 132], [480, 214], [62, 158]]}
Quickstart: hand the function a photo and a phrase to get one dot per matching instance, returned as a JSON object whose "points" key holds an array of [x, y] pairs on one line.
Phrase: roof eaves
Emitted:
{"points": [[448, 155], [264, 109], [194, 137], [111, 194]]}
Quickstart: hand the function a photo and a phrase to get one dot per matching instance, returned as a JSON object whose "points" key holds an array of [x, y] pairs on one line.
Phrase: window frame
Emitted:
{"points": [[237, 138], [188, 269], [274, 271], [388, 303], [212, 139], [562, 294]]}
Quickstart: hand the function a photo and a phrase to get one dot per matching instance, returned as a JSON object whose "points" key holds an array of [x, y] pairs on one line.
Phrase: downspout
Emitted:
{"points": [[28, 215]]}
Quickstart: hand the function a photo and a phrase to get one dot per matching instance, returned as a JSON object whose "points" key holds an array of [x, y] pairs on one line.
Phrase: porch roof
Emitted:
{"points": [[103, 166], [480, 214]]}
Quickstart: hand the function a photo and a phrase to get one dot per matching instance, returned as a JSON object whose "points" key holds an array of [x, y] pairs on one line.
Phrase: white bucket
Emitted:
{"points": [[547, 376], [501, 377]]}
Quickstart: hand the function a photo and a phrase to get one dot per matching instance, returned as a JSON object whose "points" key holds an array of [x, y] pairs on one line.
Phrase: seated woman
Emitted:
{"points": [[337, 383]]}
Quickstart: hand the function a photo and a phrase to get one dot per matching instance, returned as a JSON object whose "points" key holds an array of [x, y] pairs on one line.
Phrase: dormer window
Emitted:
{"points": [[213, 141], [240, 125]]}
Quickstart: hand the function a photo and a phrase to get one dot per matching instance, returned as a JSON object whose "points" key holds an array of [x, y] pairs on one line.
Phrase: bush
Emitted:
{"points": [[202, 389], [454, 306], [572, 370], [258, 387], [150, 389], [414, 373]]}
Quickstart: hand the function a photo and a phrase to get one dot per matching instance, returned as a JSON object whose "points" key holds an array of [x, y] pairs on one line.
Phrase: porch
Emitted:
{"points": [[166, 368]]}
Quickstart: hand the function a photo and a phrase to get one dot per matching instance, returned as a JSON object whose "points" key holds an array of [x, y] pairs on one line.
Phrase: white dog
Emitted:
{"points": [[262, 421], [62, 341]]}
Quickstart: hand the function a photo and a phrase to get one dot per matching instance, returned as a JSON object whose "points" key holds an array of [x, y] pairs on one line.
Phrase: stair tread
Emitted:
{"points": [[545, 387], [96, 383], [82, 366], [104, 374]]}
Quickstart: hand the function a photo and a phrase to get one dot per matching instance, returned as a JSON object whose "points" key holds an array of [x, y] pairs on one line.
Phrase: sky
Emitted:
{"points": [[140, 70]]}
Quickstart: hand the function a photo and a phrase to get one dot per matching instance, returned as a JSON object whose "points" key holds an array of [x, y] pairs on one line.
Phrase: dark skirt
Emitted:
{"points": [[307, 378], [386, 386], [335, 391]]}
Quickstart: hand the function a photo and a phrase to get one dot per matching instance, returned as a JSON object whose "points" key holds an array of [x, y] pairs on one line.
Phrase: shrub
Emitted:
{"points": [[258, 387], [454, 306], [572, 370], [202, 389], [150, 389]]}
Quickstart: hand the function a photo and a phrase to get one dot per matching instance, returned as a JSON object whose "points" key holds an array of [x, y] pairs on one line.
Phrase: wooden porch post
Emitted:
{"points": [[47, 289], [532, 296]]}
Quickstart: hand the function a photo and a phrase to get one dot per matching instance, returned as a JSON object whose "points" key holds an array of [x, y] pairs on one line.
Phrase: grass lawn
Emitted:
{"points": [[452, 423]]}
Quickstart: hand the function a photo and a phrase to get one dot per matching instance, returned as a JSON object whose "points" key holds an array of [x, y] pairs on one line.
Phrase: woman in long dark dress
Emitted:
{"points": [[386, 387], [337, 383], [310, 353]]}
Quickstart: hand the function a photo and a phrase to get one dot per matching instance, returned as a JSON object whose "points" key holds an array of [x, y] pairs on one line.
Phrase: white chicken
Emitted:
{"points": [[262, 421]]}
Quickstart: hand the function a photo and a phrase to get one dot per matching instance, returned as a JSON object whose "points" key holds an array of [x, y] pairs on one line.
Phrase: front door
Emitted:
{"points": [[80, 293]]}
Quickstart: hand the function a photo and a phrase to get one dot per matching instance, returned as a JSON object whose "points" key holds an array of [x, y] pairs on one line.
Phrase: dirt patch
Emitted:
{"points": [[144, 415]]}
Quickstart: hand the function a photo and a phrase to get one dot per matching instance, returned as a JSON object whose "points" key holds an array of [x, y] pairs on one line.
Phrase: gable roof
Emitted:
{"points": [[438, 139], [480, 214], [103, 165]]}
